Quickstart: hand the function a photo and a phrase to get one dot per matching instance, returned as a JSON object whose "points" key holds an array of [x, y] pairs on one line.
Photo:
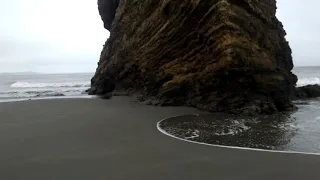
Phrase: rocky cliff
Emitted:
{"points": [[217, 55]]}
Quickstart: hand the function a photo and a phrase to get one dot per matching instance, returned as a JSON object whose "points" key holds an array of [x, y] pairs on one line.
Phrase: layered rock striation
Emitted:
{"points": [[217, 55]]}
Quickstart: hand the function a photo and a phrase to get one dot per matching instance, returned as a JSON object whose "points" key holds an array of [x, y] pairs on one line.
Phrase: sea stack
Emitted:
{"points": [[217, 55]]}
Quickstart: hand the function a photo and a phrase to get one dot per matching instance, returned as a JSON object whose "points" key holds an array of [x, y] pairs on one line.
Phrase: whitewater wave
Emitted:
{"points": [[21, 84], [39, 94], [307, 81]]}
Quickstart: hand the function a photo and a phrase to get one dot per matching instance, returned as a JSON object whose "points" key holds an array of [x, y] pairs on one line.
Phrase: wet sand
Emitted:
{"points": [[117, 139], [297, 131]]}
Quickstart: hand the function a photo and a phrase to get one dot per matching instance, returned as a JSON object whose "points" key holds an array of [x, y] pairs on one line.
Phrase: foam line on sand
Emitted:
{"points": [[222, 146]]}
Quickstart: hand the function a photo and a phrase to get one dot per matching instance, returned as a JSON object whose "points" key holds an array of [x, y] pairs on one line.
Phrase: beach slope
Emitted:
{"points": [[117, 139]]}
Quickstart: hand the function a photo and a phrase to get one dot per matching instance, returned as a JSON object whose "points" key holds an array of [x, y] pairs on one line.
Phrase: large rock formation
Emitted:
{"points": [[217, 55]]}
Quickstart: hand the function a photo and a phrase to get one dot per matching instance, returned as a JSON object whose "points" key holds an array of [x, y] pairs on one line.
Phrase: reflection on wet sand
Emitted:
{"points": [[295, 131], [259, 132]]}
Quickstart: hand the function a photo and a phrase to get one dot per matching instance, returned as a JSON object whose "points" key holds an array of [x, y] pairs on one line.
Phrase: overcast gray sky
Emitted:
{"points": [[67, 35]]}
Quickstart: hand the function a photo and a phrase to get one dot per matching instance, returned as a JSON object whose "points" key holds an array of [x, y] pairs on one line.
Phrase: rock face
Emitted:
{"points": [[107, 11], [308, 91], [217, 55]]}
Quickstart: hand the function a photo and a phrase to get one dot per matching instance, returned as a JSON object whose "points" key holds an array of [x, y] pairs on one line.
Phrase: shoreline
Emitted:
{"points": [[161, 129], [50, 97], [301, 102], [118, 139]]}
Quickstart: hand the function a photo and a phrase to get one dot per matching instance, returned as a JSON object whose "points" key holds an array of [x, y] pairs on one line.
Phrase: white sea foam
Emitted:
{"points": [[163, 131], [21, 84], [194, 134], [307, 81], [41, 93]]}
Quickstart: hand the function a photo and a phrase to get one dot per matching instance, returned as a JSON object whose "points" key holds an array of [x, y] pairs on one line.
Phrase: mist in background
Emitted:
{"points": [[67, 35]]}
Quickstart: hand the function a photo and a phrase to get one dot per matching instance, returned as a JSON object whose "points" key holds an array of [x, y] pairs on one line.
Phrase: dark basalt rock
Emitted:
{"points": [[106, 96], [309, 91], [106, 84], [217, 55], [107, 11]]}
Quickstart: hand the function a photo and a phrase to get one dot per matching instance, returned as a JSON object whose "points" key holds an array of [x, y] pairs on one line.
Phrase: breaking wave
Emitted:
{"points": [[21, 84], [307, 81], [39, 94]]}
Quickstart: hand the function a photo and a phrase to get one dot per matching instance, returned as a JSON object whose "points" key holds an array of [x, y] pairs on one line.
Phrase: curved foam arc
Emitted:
{"points": [[223, 146]]}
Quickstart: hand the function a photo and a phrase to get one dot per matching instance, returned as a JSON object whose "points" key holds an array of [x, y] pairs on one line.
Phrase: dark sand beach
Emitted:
{"points": [[296, 131], [98, 139]]}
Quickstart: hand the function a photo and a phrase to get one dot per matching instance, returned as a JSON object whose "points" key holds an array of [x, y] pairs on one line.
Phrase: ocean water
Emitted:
{"points": [[295, 131], [16, 86], [307, 75]]}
